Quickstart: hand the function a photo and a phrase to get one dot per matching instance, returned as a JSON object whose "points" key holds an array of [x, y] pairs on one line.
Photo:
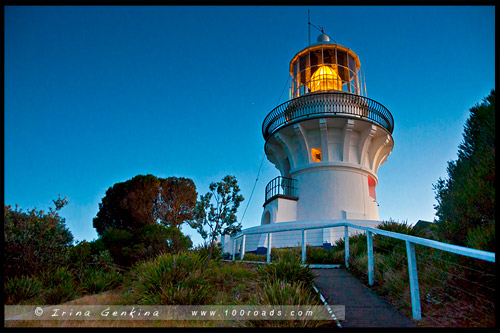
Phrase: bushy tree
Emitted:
{"points": [[215, 212], [34, 240], [177, 201], [128, 205], [156, 239], [119, 243], [141, 217], [145, 200], [466, 199]]}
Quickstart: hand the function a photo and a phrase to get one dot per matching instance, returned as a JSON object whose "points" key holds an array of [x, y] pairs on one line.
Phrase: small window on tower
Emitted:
{"points": [[316, 154]]}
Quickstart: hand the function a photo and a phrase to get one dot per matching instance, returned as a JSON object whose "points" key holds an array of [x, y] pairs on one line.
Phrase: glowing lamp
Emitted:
{"points": [[325, 78]]}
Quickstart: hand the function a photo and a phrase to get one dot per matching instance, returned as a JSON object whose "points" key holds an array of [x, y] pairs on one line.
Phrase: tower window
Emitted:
{"points": [[316, 154]]}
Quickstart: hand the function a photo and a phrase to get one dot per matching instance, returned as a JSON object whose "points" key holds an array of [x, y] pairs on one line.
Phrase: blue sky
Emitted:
{"points": [[98, 95]]}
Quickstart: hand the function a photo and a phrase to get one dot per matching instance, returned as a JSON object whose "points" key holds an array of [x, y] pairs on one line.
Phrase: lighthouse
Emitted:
{"points": [[328, 142]]}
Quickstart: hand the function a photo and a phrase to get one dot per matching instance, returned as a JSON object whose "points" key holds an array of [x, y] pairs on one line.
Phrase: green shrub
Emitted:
{"points": [[319, 255], [19, 290], [282, 292], [232, 282], [286, 253], [288, 270], [97, 280], [35, 240], [59, 286], [359, 263], [156, 239], [57, 295], [339, 244], [84, 253], [204, 249], [171, 279], [118, 243], [399, 227], [192, 290], [482, 237], [255, 257], [235, 271], [466, 199], [54, 277], [357, 245]]}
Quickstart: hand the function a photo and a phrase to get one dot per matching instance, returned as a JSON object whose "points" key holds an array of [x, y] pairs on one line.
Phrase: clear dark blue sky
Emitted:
{"points": [[97, 95]]}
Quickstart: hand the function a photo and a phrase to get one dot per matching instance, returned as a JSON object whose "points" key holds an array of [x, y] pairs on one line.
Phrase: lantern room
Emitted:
{"points": [[325, 66]]}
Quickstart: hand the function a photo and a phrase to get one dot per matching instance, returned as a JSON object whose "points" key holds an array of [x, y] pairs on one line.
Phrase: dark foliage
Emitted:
{"points": [[146, 200], [34, 240], [177, 200], [466, 200], [152, 240]]}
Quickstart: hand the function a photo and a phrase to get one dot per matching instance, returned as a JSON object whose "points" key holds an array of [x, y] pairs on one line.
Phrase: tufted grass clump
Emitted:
{"points": [[255, 257], [19, 290], [96, 280], [289, 270], [171, 280], [59, 286], [319, 255], [278, 254], [283, 293]]}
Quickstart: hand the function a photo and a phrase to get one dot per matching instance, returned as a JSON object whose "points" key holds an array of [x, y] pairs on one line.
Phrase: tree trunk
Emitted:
{"points": [[210, 250]]}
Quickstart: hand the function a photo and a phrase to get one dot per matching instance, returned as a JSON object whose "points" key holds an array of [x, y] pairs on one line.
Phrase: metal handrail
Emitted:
{"points": [[280, 186], [327, 104], [410, 241]]}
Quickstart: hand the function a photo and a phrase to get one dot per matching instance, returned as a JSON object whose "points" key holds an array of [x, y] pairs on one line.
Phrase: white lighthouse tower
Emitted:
{"points": [[328, 142]]}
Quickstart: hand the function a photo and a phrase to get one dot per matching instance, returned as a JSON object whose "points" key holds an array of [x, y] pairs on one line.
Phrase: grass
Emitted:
{"points": [[182, 279], [288, 269], [255, 257], [59, 285]]}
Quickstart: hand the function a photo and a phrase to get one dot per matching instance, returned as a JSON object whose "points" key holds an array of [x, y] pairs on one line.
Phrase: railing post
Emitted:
{"points": [[346, 247], [303, 246], [243, 247], [268, 247], [413, 275], [223, 242], [369, 243], [234, 248]]}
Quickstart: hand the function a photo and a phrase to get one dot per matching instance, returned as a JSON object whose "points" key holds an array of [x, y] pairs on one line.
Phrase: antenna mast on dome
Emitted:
{"points": [[309, 26]]}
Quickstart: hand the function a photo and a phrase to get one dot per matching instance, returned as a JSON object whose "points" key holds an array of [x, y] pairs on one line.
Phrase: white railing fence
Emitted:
{"points": [[444, 268]]}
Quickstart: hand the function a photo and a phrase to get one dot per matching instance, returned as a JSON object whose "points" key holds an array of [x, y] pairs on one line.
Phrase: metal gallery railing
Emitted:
{"points": [[280, 186], [410, 243], [327, 104]]}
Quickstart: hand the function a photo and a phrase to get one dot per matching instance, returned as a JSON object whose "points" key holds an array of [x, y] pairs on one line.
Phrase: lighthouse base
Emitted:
{"points": [[257, 238]]}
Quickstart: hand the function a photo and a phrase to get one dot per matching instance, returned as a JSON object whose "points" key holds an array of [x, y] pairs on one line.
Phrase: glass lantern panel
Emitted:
{"points": [[352, 64], [329, 56], [315, 58], [342, 65], [302, 62]]}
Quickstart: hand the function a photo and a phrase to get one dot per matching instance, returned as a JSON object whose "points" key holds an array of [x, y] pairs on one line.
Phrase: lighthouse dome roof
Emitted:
{"points": [[323, 38]]}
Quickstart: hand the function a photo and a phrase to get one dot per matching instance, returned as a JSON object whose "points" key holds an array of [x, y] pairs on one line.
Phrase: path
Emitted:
{"points": [[363, 308]]}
